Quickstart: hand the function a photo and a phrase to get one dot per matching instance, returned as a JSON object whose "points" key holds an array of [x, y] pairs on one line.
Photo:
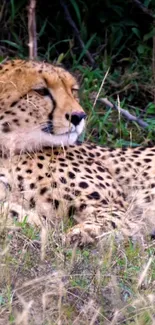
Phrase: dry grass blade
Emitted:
{"points": [[144, 273], [115, 318], [23, 317], [102, 83]]}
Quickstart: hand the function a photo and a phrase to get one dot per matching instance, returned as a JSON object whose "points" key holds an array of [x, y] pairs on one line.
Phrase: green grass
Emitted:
{"points": [[106, 126]]}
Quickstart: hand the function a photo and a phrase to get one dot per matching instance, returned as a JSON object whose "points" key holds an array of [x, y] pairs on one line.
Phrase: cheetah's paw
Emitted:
{"points": [[83, 234]]}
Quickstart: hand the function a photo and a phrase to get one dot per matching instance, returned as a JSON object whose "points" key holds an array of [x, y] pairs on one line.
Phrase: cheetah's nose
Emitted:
{"points": [[76, 117]]}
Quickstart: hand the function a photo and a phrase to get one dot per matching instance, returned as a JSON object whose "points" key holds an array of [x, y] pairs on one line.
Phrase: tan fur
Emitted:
{"points": [[98, 188]]}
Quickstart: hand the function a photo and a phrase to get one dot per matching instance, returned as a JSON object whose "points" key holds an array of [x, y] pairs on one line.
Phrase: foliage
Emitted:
{"points": [[115, 35], [110, 29]]}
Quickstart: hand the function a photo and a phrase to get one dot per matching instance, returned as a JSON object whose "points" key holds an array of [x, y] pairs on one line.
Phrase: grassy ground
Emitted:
{"points": [[113, 283], [42, 282]]}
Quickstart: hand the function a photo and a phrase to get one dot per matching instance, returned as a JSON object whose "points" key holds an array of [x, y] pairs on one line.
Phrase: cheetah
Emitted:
{"points": [[99, 189]]}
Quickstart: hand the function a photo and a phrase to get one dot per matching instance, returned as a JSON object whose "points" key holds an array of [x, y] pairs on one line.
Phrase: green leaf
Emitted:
{"points": [[150, 109], [43, 28], [16, 6], [2, 300], [149, 35], [88, 44], [136, 31], [60, 58], [147, 2], [12, 10], [129, 22], [77, 11], [141, 49], [18, 47]]}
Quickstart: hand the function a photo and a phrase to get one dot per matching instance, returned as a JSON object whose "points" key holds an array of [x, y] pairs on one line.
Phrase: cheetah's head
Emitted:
{"points": [[39, 106]]}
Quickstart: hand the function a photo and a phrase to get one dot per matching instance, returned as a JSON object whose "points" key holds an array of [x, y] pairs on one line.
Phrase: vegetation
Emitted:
{"points": [[41, 281], [116, 37]]}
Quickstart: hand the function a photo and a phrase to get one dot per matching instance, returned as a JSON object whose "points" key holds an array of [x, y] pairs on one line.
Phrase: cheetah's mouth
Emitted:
{"points": [[48, 128]]}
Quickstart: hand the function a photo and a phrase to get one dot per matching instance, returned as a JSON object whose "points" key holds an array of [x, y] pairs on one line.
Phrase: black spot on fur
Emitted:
{"points": [[147, 160], [14, 214], [138, 163], [113, 224], [54, 185], [5, 127], [14, 103], [71, 175], [56, 204], [91, 155], [104, 202], [63, 164], [40, 166], [32, 186], [71, 211], [67, 197], [29, 171], [83, 184], [75, 164], [148, 199], [88, 170], [77, 193], [32, 203], [63, 180], [77, 170], [24, 162], [94, 195], [40, 178], [82, 206], [7, 112], [43, 190], [41, 157], [100, 169], [20, 178]]}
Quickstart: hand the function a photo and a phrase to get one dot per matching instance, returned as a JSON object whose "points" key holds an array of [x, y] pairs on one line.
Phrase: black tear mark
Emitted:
{"points": [[14, 103]]}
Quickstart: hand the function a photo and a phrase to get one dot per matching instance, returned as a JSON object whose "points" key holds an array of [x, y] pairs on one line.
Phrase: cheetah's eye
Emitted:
{"points": [[42, 91], [75, 92]]}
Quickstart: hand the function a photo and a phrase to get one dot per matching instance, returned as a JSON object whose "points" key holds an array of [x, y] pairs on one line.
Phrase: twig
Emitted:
{"points": [[76, 31], [124, 112], [143, 8], [32, 30]]}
